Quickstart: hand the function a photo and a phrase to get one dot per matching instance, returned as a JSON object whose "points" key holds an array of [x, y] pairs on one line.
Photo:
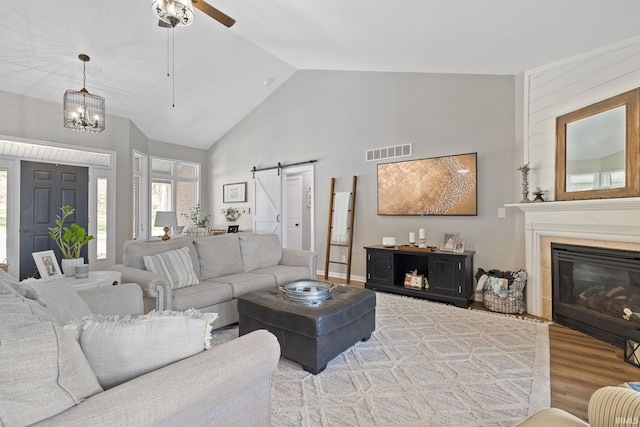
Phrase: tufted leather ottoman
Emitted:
{"points": [[311, 335]]}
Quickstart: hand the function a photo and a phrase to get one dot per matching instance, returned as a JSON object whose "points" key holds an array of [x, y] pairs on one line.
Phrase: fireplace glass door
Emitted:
{"points": [[596, 290]]}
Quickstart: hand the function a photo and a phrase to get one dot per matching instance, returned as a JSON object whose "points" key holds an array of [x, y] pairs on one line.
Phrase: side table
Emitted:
{"points": [[96, 279]]}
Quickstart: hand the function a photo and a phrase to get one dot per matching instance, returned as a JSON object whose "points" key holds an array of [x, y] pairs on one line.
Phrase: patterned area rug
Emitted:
{"points": [[427, 364]]}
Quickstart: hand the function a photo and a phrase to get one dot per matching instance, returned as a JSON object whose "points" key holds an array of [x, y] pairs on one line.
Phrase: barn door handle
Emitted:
{"points": [[278, 218]]}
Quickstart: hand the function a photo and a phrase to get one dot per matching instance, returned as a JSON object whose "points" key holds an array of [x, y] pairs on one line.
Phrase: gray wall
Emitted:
{"points": [[334, 116], [32, 118]]}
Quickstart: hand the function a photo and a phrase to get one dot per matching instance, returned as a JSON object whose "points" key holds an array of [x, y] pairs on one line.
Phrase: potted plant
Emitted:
{"points": [[231, 214], [70, 240], [198, 221]]}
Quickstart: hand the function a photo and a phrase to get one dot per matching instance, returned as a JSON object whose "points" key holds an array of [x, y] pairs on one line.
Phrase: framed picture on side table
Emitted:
{"points": [[449, 242], [47, 264], [459, 248]]}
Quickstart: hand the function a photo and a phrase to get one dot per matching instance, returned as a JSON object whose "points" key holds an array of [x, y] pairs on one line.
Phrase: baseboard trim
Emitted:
{"points": [[342, 276]]}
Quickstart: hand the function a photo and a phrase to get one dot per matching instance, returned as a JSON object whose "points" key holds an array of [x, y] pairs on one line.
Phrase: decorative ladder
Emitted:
{"points": [[349, 244]]}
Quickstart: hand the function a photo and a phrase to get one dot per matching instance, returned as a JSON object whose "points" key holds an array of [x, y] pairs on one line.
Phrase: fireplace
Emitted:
{"points": [[593, 287]]}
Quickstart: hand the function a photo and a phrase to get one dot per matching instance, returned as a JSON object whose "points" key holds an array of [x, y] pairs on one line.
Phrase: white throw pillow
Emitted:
{"points": [[175, 265], [60, 299], [43, 371], [122, 348]]}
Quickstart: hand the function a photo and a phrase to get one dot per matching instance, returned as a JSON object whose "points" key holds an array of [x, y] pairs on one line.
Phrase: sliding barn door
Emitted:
{"points": [[267, 202]]}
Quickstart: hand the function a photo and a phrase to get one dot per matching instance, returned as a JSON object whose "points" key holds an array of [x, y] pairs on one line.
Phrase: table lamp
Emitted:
{"points": [[166, 219]]}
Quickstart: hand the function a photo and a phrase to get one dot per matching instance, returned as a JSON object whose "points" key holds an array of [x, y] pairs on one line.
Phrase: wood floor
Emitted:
{"points": [[580, 365]]}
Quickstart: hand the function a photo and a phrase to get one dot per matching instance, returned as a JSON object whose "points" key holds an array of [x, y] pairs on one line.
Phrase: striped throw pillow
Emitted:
{"points": [[175, 265]]}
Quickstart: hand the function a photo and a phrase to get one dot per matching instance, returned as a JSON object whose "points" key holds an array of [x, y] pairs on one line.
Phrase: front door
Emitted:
{"points": [[44, 188]]}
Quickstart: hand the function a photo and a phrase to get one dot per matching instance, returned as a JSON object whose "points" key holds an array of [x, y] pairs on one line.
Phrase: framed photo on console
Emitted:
{"points": [[47, 264], [449, 242], [459, 248]]}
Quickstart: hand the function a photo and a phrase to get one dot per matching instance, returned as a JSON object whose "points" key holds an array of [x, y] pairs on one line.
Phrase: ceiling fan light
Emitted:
{"points": [[174, 12]]}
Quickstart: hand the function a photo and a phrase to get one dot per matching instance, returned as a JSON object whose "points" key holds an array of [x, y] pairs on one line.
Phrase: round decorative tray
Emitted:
{"points": [[309, 291]]}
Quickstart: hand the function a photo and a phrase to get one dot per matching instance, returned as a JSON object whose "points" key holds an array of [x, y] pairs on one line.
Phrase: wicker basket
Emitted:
{"points": [[509, 299]]}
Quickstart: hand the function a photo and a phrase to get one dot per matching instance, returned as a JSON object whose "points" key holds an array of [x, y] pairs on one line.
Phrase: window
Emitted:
{"points": [[139, 196], [102, 218], [581, 182], [614, 179], [175, 186], [3, 215]]}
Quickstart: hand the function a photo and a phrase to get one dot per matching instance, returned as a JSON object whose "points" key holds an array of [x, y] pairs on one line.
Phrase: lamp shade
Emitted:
{"points": [[166, 219]]}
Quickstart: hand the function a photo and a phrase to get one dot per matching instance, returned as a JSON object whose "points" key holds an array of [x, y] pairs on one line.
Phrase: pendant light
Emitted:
{"points": [[82, 110]]}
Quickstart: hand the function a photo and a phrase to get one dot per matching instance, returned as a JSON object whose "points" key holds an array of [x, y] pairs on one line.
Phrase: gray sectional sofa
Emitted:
{"points": [[47, 377], [226, 266]]}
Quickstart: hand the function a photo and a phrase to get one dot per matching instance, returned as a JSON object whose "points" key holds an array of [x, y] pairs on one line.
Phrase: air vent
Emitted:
{"points": [[386, 153]]}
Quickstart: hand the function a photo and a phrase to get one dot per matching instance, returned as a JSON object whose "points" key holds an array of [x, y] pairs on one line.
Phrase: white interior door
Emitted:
{"points": [[298, 207], [294, 212], [267, 202]]}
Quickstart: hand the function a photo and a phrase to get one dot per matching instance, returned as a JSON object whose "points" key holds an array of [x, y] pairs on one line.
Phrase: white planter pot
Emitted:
{"points": [[69, 266]]}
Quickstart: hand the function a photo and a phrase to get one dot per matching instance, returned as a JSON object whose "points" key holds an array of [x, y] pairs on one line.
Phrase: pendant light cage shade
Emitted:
{"points": [[174, 12], [83, 111]]}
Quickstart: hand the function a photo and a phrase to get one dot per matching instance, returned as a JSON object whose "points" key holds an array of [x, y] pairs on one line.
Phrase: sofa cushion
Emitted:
{"points": [[284, 274], [260, 250], [206, 293], [241, 283], [135, 250], [122, 348], [43, 372], [61, 301], [175, 265], [11, 305], [11, 301], [219, 255]]}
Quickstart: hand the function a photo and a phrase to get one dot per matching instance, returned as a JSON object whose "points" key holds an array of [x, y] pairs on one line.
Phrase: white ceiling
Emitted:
{"points": [[220, 73]]}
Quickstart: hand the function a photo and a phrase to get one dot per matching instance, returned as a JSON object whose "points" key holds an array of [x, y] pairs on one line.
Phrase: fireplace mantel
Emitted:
{"points": [[580, 205], [610, 222]]}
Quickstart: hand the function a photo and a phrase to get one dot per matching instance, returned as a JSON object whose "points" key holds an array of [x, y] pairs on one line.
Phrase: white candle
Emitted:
{"points": [[422, 233], [412, 237]]}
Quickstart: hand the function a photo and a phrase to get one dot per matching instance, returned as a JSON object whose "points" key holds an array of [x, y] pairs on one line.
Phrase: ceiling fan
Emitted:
{"points": [[180, 12]]}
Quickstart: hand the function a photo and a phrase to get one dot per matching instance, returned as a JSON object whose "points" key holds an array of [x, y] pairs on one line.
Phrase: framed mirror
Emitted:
{"points": [[597, 150]]}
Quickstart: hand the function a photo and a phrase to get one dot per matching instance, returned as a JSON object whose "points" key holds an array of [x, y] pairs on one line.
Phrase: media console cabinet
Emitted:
{"points": [[449, 275]]}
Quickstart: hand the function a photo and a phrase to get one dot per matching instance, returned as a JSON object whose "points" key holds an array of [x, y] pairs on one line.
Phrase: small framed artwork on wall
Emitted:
{"points": [[234, 193]]}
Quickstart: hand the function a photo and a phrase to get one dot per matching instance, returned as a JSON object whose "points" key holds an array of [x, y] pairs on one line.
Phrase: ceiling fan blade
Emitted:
{"points": [[163, 24], [225, 20]]}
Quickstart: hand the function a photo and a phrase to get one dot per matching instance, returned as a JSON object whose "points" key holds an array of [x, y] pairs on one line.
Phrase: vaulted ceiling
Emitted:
{"points": [[220, 74]]}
